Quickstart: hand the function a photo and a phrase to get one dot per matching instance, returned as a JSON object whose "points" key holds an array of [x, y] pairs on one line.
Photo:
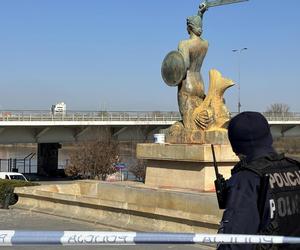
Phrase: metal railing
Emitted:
{"points": [[44, 115], [23, 165], [15, 115]]}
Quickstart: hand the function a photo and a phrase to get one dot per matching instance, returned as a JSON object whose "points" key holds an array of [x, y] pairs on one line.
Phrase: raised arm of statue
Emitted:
{"points": [[202, 9]]}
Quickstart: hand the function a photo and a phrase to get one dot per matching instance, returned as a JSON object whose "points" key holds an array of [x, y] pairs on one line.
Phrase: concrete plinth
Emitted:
{"points": [[184, 166], [131, 206]]}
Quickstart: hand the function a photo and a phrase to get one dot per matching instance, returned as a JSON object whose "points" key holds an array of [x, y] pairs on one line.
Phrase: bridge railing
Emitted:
{"points": [[283, 117], [88, 116], [44, 115]]}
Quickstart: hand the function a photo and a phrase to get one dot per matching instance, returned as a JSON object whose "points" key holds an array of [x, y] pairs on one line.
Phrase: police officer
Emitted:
{"points": [[263, 193]]}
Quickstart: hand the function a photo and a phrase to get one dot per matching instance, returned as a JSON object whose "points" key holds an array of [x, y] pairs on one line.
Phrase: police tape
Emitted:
{"points": [[67, 238]]}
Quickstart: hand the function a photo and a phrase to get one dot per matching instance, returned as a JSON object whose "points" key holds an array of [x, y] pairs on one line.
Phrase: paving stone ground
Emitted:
{"points": [[16, 219]]}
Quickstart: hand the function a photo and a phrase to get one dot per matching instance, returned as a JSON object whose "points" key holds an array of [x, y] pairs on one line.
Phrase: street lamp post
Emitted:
{"points": [[239, 76]]}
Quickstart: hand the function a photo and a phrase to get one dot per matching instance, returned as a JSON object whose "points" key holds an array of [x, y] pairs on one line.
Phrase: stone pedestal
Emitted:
{"points": [[128, 205], [184, 166], [176, 134]]}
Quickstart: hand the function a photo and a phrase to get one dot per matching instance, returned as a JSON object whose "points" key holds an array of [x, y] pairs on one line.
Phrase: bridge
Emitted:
{"points": [[48, 131], [40, 126], [44, 127]]}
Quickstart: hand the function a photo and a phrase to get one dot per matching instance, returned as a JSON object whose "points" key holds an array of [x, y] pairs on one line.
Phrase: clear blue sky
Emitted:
{"points": [[97, 54]]}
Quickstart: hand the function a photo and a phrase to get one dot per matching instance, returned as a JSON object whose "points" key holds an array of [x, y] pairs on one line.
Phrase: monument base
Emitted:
{"points": [[185, 166], [127, 205], [177, 134]]}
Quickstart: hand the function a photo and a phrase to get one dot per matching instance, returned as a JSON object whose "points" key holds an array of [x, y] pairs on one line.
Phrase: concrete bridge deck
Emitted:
{"points": [[40, 126]]}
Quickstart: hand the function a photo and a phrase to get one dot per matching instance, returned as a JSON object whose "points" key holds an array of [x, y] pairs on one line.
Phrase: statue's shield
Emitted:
{"points": [[173, 68]]}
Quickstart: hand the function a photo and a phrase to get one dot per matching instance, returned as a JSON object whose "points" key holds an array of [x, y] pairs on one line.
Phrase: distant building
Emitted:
{"points": [[59, 109]]}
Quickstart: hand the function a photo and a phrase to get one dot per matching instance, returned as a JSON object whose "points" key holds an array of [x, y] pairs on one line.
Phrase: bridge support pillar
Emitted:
{"points": [[48, 158]]}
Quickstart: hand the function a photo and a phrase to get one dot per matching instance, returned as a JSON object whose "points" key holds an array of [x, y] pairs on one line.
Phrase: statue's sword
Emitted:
{"points": [[209, 4]]}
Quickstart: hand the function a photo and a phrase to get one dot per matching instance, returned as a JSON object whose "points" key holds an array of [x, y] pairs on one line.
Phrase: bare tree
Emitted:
{"points": [[94, 159], [278, 109], [139, 170], [288, 145]]}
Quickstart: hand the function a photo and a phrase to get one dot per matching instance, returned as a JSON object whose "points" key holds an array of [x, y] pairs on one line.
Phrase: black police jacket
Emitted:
{"points": [[243, 213]]}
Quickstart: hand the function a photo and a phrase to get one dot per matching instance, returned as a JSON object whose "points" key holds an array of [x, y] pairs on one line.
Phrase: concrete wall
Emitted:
{"points": [[132, 207]]}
